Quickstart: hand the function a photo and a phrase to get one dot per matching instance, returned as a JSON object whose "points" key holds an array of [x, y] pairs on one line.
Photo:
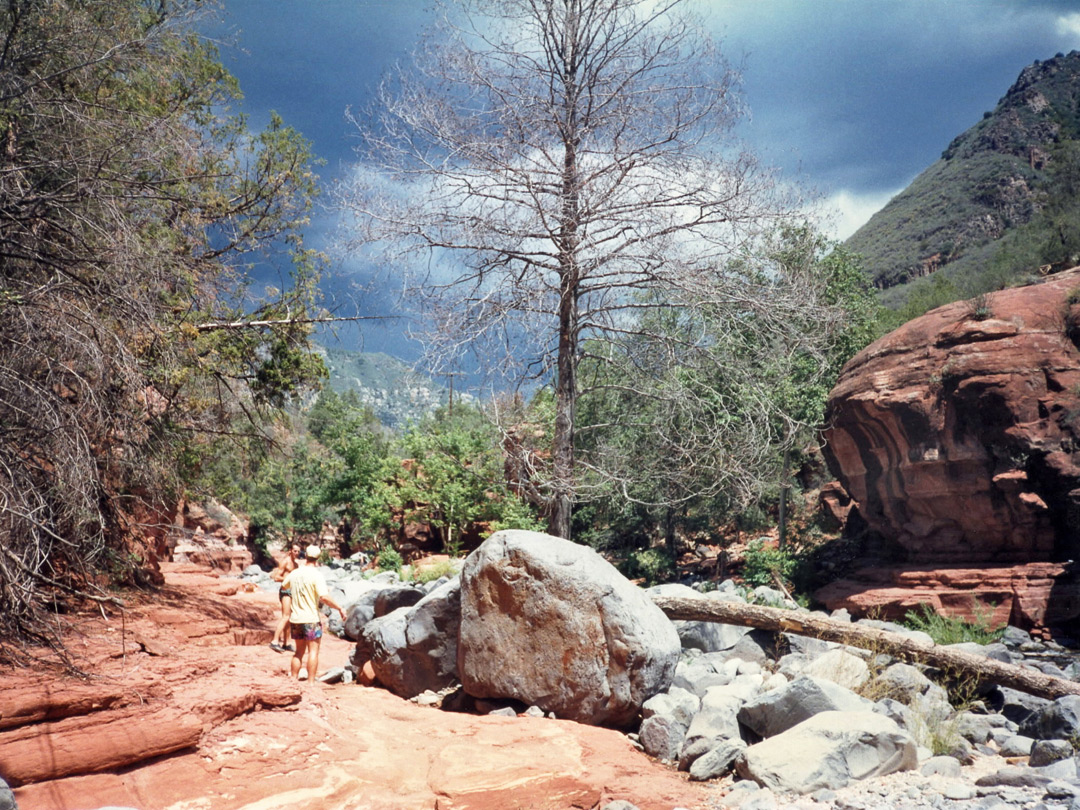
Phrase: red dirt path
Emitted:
{"points": [[196, 654]]}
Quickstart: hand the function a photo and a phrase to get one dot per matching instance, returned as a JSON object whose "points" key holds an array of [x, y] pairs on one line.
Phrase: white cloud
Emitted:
{"points": [[847, 211], [1069, 25]]}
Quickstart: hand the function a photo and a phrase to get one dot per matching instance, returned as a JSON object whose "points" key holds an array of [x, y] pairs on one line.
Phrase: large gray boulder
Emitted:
{"points": [[774, 712], [553, 624], [414, 649], [830, 750]]}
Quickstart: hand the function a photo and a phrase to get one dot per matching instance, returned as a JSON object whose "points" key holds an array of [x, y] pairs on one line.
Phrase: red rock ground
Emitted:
{"points": [[186, 675]]}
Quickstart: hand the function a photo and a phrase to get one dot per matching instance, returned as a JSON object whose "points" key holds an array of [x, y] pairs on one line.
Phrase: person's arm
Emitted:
{"points": [[328, 600], [281, 573]]}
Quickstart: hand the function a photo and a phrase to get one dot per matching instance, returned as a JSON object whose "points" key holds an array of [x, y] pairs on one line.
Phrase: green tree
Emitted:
{"points": [[130, 205], [455, 480]]}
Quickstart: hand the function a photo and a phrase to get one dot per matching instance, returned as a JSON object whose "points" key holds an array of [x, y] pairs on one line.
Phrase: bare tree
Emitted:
{"points": [[550, 172]]}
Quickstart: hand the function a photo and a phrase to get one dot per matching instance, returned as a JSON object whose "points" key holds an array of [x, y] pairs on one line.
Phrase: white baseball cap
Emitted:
{"points": [[313, 552]]}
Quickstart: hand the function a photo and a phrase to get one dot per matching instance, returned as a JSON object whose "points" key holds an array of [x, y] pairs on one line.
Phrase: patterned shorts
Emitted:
{"points": [[306, 632]]}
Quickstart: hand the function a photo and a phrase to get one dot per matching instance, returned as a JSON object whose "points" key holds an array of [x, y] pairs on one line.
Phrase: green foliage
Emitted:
{"points": [[389, 559], [761, 562], [455, 479], [654, 565], [430, 573], [981, 306], [946, 630], [131, 348]]}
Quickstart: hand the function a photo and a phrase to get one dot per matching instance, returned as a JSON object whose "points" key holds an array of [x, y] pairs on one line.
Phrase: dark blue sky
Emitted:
{"points": [[852, 98]]}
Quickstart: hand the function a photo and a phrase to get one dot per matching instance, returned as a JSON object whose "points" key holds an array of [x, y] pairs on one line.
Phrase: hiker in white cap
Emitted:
{"points": [[305, 618]]}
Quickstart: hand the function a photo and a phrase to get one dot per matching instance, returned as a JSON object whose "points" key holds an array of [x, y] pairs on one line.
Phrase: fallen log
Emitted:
{"points": [[986, 670]]}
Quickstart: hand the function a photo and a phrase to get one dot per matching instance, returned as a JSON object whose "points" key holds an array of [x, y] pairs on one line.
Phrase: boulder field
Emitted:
{"points": [[958, 435]]}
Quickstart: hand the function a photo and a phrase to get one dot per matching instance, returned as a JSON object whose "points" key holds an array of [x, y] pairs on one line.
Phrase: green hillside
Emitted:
{"points": [[395, 392], [1000, 203]]}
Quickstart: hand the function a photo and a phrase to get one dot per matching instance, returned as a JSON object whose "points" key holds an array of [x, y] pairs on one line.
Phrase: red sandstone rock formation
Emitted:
{"points": [[210, 535], [188, 707], [959, 437]]}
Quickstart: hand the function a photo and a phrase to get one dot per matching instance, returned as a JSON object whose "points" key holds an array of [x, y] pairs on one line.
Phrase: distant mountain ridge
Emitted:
{"points": [[394, 391], [1000, 201]]}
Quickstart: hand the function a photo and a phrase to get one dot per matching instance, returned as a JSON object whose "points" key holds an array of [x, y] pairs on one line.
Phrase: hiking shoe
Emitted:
{"points": [[289, 647], [276, 647]]}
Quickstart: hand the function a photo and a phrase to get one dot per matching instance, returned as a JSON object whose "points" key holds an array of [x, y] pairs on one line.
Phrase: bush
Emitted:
{"points": [[389, 559], [654, 565], [761, 561], [946, 630], [430, 573]]}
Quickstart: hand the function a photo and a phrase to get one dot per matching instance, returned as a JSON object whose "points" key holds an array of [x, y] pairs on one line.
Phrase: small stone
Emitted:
{"points": [[958, 791], [760, 800], [534, 711], [619, 804], [825, 795], [505, 711], [692, 750], [332, 675], [1062, 769], [1016, 746], [716, 762], [741, 789], [1013, 777], [1062, 790], [941, 766]]}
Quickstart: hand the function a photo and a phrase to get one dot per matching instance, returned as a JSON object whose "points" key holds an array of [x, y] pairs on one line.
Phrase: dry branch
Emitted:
{"points": [[899, 646], [209, 327]]}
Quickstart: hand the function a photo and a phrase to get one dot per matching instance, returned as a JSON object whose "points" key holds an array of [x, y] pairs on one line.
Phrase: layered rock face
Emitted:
{"points": [[960, 438], [959, 433]]}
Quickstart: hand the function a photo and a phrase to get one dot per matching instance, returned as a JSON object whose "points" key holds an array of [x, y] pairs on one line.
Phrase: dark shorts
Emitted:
{"points": [[306, 632], [282, 593]]}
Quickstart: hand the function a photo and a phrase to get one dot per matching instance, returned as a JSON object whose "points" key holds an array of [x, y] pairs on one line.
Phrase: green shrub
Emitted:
{"points": [[654, 565], [430, 573], [761, 561], [946, 630], [389, 559]]}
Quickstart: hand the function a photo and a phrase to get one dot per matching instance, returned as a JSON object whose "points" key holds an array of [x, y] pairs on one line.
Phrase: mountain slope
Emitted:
{"points": [[395, 392], [997, 204]]}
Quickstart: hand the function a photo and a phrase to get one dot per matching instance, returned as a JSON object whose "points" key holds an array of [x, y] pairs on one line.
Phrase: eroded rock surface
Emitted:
{"points": [[959, 437], [188, 708]]}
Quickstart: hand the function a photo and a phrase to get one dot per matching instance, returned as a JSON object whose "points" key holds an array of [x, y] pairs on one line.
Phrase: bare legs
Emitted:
{"points": [[311, 648], [281, 634]]}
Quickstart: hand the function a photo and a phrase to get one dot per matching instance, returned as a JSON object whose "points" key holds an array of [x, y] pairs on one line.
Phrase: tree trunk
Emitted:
{"points": [[569, 289], [785, 487], [789, 621]]}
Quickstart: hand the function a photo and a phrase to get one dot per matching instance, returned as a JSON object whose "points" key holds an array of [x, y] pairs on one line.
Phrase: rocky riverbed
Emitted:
{"points": [[186, 708]]}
